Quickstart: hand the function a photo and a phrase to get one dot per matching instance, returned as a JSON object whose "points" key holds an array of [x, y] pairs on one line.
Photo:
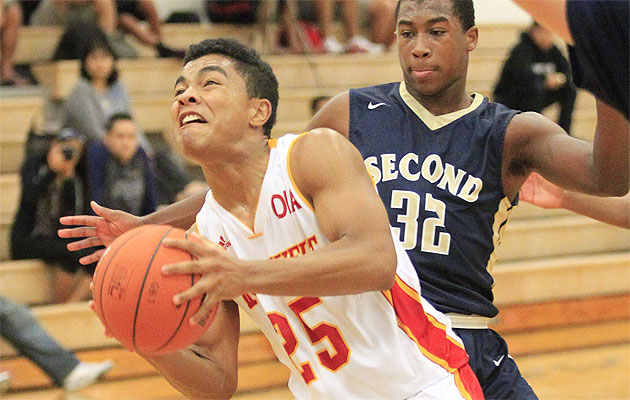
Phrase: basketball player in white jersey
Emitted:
{"points": [[293, 232]]}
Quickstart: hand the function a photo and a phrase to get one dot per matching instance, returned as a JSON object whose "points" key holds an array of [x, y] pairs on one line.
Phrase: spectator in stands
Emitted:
{"points": [[10, 23], [120, 173], [536, 75], [131, 13], [21, 329], [53, 185]]}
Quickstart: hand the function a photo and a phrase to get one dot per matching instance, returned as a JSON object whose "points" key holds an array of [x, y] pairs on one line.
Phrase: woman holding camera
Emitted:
{"points": [[53, 185]]}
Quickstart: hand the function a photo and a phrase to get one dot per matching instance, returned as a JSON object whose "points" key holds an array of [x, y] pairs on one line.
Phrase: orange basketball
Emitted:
{"points": [[134, 300]]}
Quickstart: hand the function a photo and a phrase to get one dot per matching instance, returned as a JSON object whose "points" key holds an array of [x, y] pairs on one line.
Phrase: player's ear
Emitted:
{"points": [[472, 35], [259, 112]]}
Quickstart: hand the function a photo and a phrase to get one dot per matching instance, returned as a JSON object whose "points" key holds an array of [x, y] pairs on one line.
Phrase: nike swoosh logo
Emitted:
{"points": [[497, 362], [373, 106]]}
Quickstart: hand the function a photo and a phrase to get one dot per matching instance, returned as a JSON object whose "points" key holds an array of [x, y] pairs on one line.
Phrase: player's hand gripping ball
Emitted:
{"points": [[134, 300]]}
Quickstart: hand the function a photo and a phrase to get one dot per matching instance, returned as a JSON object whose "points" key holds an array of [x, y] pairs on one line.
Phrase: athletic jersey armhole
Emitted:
{"points": [[295, 186], [502, 127]]}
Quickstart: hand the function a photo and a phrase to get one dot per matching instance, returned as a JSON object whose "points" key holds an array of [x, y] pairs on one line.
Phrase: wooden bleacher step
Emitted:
{"points": [[26, 282], [563, 235], [559, 278], [565, 324]]}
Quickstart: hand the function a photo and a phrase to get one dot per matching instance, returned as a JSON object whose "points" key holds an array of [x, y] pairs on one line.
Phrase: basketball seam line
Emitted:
{"points": [[144, 280], [105, 274], [192, 282]]}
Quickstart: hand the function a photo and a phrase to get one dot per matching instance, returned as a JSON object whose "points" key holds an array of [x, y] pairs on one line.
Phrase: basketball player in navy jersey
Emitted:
{"points": [[449, 166]]}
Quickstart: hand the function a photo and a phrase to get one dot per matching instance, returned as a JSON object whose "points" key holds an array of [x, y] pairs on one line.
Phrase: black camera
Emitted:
{"points": [[68, 152]]}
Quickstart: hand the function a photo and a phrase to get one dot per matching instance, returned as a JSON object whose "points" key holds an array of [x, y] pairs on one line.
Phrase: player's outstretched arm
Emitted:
{"points": [[542, 193], [97, 230], [108, 224], [533, 143], [207, 369]]}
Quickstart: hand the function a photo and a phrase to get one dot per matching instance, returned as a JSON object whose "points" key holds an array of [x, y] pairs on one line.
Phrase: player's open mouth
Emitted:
{"points": [[190, 118]]}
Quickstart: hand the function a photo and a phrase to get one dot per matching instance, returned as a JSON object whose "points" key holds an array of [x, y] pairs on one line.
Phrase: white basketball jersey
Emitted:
{"points": [[390, 344]]}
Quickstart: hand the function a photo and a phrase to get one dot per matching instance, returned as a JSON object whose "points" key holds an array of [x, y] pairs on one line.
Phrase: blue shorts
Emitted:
{"points": [[496, 371]]}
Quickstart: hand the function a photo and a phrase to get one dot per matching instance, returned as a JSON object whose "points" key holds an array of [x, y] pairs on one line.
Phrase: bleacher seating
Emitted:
{"points": [[558, 282]]}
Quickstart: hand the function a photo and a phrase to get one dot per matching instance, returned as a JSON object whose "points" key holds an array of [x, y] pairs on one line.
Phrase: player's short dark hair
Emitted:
{"points": [[464, 10], [120, 116], [259, 78], [99, 45]]}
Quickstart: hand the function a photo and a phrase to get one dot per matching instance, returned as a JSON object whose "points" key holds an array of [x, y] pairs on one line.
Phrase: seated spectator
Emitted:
{"points": [[131, 13], [53, 185], [536, 75], [21, 329], [120, 173], [97, 95], [10, 23]]}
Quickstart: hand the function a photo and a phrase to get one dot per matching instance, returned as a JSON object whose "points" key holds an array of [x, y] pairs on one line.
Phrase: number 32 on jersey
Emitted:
{"points": [[432, 240]]}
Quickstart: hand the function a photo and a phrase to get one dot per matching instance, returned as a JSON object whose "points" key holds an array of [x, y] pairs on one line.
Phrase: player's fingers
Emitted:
{"points": [[202, 316], [102, 211], [196, 290], [185, 267], [88, 220], [94, 257], [84, 243], [197, 248], [84, 231], [91, 302]]}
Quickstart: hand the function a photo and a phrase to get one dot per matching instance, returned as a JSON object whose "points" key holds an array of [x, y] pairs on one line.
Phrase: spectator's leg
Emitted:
{"points": [[149, 10], [381, 19], [132, 25], [325, 11], [11, 23], [106, 14], [350, 14], [21, 329]]}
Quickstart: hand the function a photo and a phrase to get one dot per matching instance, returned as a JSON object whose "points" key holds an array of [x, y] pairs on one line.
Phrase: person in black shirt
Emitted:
{"points": [[53, 185], [536, 75]]}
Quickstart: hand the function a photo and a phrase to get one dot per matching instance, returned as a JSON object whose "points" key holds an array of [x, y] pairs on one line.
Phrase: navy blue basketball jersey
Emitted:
{"points": [[599, 57], [440, 180]]}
